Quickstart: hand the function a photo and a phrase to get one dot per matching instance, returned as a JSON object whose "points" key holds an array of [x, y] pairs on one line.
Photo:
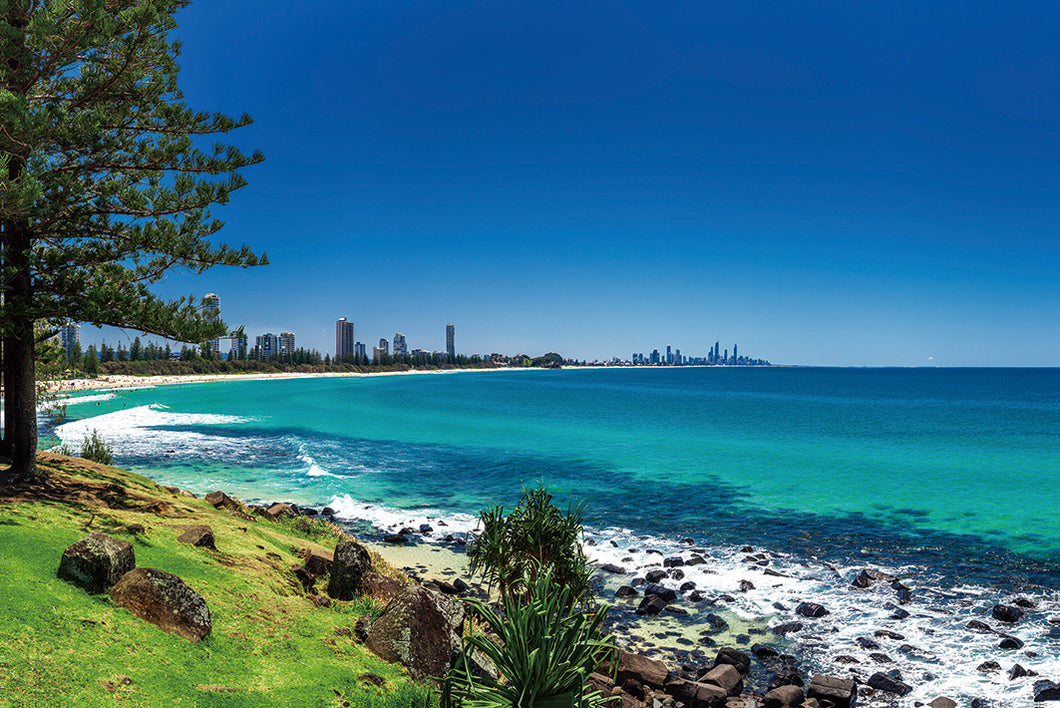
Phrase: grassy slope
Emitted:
{"points": [[62, 646]]}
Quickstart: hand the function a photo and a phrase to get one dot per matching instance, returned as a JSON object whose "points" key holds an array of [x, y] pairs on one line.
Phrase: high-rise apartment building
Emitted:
{"points": [[735, 358], [69, 335], [211, 312], [450, 341], [239, 348], [286, 342], [400, 348], [669, 356], [360, 350], [344, 342], [266, 346], [384, 346]]}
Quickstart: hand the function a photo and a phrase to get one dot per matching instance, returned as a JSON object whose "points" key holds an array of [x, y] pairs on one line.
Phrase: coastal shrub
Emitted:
{"points": [[536, 537], [96, 449], [543, 652]]}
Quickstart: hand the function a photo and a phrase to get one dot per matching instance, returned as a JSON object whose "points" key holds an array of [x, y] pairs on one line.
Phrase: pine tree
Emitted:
{"points": [[104, 184]]}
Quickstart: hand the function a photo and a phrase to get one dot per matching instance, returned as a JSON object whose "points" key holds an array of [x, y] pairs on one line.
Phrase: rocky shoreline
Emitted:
{"points": [[683, 633]]}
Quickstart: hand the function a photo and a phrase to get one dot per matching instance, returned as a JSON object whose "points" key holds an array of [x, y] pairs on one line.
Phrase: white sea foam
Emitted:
{"points": [[91, 398], [150, 431], [312, 468], [393, 520]]}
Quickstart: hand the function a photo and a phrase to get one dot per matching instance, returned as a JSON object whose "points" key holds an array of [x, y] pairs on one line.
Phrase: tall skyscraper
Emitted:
{"points": [[450, 343], [359, 350], [69, 335], [286, 342], [239, 348], [735, 359], [211, 312], [669, 356], [384, 346], [344, 339], [400, 348]]}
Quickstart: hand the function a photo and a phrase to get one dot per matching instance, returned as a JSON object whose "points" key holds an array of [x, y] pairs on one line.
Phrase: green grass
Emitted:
{"points": [[62, 646]]}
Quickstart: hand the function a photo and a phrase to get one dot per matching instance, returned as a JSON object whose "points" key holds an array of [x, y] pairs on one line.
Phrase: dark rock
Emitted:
{"points": [[787, 628], [676, 573], [199, 536], [916, 652], [136, 529], [696, 596], [612, 568], [717, 624], [866, 643], [811, 609], [726, 677], [764, 652], [905, 596], [728, 655], [846, 659], [304, 577], [418, 629], [725, 598], [626, 591], [779, 606], [279, 511], [988, 667], [747, 549], [785, 696], [165, 601], [981, 627], [685, 587], [943, 702], [868, 577], [889, 634], [220, 499], [442, 586], [1007, 613], [673, 562], [320, 600], [675, 610], [382, 587], [888, 684], [643, 670], [899, 614], [687, 542], [349, 566], [406, 531], [651, 605], [327, 511], [881, 658], [840, 692], [665, 593], [696, 560], [1018, 671], [96, 562], [1025, 603], [786, 677], [1010, 643], [654, 576], [696, 695], [360, 628], [395, 539], [316, 561], [426, 529], [1046, 690], [746, 585]]}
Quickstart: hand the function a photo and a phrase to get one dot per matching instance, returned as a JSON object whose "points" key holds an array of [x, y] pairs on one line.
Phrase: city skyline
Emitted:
{"points": [[827, 185]]}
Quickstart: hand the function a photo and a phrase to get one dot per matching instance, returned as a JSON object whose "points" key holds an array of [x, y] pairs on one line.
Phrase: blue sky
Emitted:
{"points": [[829, 183]]}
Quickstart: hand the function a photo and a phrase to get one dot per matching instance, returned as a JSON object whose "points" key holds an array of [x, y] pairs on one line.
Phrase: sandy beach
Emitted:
{"points": [[123, 381]]}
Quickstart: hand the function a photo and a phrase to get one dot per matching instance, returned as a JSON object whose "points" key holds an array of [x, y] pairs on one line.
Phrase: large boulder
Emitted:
{"points": [[219, 499], [317, 562], [725, 676], [164, 600], [96, 562], [786, 696], [200, 536], [348, 569], [841, 692], [1007, 613], [696, 695], [641, 669], [420, 629]]}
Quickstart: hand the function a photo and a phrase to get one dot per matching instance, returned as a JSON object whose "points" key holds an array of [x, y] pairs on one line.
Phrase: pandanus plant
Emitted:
{"points": [[541, 651], [536, 537]]}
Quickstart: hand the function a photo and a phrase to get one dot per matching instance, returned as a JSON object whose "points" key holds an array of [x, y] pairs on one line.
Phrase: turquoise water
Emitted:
{"points": [[951, 476]]}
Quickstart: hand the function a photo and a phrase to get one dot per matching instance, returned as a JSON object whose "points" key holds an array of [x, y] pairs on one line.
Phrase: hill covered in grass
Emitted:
{"points": [[271, 644]]}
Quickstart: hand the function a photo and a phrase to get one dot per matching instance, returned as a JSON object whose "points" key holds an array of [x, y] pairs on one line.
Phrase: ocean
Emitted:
{"points": [[946, 478]]}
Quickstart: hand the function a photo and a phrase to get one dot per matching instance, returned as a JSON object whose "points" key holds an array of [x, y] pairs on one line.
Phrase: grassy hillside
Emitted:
{"points": [[271, 645]]}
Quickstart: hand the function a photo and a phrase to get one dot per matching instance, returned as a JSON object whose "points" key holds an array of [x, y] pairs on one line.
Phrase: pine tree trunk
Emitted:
{"points": [[20, 385]]}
